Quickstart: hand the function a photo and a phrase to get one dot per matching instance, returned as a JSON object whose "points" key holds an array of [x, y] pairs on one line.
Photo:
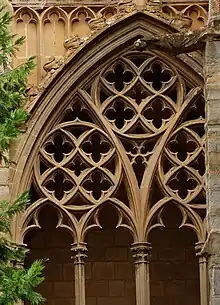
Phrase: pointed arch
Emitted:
{"points": [[88, 80]]}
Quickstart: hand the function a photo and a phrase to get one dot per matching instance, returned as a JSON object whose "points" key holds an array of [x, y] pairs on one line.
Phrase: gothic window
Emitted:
{"points": [[131, 136]]}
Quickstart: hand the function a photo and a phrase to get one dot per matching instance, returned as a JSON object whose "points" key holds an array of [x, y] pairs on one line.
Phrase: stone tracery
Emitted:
{"points": [[157, 118], [130, 135]]}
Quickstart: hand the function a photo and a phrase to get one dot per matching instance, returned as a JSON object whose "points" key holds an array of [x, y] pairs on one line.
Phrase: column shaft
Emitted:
{"points": [[79, 255], [141, 262]]}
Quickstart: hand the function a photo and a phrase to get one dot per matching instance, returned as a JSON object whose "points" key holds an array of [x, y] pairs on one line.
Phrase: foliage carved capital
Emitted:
{"points": [[141, 252], [79, 253]]}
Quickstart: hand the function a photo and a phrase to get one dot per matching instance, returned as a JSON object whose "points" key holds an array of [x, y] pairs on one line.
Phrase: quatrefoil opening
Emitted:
{"points": [[59, 185], [183, 183], [58, 147], [97, 184], [120, 113], [96, 147], [77, 165], [157, 76], [119, 77], [158, 112], [182, 146]]}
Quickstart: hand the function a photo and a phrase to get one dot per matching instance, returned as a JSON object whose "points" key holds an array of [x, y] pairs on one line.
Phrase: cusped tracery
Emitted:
{"points": [[77, 154], [132, 135]]}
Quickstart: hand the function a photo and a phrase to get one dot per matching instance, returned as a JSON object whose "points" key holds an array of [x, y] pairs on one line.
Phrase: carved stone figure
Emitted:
{"points": [[97, 23], [125, 7], [32, 92], [181, 42], [181, 21], [71, 44], [51, 67]]}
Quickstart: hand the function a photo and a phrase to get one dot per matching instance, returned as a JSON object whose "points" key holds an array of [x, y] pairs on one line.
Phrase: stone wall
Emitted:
{"points": [[109, 267], [54, 245], [174, 269], [174, 274], [111, 280]]}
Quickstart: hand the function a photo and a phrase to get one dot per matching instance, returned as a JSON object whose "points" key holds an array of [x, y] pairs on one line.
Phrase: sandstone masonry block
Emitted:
{"points": [[103, 270], [97, 288], [116, 254], [123, 271], [116, 288], [63, 289]]}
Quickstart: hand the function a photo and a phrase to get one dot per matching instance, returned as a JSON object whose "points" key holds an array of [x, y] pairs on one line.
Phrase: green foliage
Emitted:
{"points": [[16, 283], [13, 86]]}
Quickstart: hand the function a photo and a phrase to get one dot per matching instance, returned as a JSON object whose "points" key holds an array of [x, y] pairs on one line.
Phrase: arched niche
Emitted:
{"points": [[52, 245], [109, 266], [174, 267]]}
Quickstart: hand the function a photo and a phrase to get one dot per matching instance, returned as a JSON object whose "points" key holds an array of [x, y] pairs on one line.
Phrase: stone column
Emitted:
{"points": [[203, 273], [141, 261], [79, 256], [212, 95]]}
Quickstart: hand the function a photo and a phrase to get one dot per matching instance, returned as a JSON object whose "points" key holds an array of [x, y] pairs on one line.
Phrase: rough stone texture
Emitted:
{"points": [[4, 182], [109, 268], [212, 86]]}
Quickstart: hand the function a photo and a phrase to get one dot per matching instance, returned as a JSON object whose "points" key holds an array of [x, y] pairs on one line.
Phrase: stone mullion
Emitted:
{"points": [[142, 279], [79, 256], [203, 273], [203, 279]]}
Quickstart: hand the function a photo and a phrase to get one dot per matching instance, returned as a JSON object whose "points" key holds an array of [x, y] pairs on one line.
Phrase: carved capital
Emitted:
{"points": [[201, 253], [141, 252], [79, 253], [19, 263]]}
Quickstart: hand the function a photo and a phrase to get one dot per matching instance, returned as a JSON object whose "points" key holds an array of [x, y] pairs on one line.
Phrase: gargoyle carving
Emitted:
{"points": [[181, 21], [184, 41]]}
